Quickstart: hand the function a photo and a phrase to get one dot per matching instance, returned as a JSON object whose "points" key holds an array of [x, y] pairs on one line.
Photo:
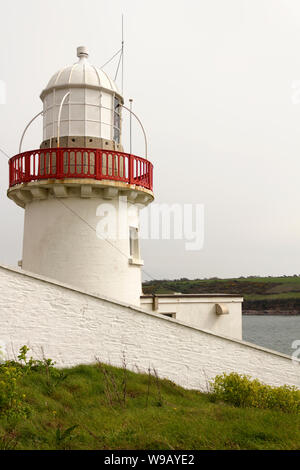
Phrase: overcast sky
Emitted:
{"points": [[217, 86]]}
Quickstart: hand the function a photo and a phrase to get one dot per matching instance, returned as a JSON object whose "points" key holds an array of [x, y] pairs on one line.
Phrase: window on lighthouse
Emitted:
{"points": [[134, 243], [117, 120]]}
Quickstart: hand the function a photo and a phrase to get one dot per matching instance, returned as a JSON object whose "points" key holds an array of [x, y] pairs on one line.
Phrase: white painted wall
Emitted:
{"points": [[201, 312], [59, 245], [73, 327]]}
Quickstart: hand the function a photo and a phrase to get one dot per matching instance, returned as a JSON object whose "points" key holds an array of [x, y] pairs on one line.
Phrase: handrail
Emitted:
{"points": [[61, 163], [59, 116], [24, 132]]}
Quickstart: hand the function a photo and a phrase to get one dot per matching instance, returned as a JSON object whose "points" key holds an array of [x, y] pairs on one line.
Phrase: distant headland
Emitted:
{"points": [[262, 295]]}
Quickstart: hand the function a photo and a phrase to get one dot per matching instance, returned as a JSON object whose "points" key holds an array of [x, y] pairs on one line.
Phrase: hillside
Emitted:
{"points": [[262, 295], [101, 407]]}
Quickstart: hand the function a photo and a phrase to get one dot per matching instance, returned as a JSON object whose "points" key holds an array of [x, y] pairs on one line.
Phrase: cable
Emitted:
{"points": [[90, 226], [121, 58], [122, 54], [120, 50], [4, 153], [104, 239]]}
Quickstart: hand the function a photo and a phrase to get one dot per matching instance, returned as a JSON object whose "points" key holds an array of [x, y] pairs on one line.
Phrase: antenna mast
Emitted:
{"points": [[122, 53]]}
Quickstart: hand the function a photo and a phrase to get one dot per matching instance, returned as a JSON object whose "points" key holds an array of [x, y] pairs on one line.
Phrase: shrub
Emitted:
{"points": [[11, 401], [241, 391]]}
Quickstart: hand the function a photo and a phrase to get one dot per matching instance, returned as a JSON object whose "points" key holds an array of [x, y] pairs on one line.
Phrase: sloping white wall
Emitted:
{"points": [[73, 327]]}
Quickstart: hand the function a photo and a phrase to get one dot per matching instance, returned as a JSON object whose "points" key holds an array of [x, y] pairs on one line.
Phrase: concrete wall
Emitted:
{"points": [[73, 327], [200, 311]]}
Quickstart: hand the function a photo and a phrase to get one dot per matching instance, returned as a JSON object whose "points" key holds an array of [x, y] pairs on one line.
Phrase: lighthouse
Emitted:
{"points": [[81, 192]]}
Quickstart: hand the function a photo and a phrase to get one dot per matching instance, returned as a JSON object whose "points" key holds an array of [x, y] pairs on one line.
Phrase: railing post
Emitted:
{"points": [[98, 164], [130, 169], [151, 177], [27, 166], [10, 166], [59, 163]]}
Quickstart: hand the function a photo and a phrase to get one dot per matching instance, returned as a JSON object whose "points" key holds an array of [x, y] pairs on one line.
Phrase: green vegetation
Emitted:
{"points": [[240, 390], [102, 407], [274, 294]]}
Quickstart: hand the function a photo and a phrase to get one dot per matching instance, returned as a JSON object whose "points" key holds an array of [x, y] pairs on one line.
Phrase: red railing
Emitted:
{"points": [[63, 163]]}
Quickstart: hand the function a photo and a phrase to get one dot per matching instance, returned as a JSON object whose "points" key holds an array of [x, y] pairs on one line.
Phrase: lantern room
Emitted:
{"points": [[82, 108]]}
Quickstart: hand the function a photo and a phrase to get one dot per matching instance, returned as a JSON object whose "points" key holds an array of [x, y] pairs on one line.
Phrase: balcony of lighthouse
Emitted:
{"points": [[84, 172]]}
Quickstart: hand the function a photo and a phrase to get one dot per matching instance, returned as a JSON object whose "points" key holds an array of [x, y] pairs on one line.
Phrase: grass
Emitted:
{"points": [[118, 409]]}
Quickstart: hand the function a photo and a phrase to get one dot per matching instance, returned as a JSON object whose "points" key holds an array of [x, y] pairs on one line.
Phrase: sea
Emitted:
{"points": [[277, 332]]}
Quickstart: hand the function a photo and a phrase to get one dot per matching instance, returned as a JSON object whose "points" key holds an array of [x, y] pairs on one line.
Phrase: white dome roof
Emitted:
{"points": [[82, 74]]}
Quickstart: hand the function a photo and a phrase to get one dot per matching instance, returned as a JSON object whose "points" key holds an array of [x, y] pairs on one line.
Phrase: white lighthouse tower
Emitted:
{"points": [[80, 181]]}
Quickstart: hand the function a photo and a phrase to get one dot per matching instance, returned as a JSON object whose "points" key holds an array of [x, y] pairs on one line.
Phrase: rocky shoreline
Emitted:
{"points": [[267, 306], [272, 312]]}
